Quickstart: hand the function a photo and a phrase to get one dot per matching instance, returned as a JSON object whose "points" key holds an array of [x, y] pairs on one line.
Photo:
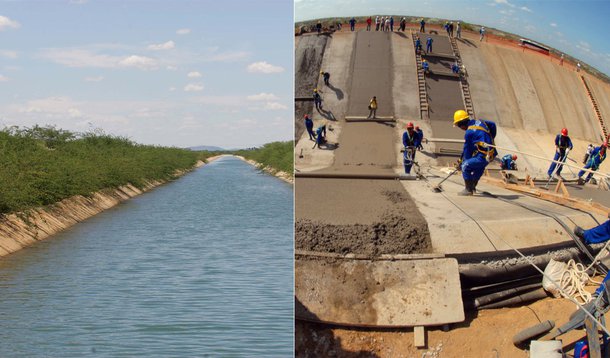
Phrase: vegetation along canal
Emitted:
{"points": [[197, 267]]}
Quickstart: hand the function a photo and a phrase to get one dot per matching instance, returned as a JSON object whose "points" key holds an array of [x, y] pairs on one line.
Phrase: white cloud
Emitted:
{"points": [[525, 8], [504, 2], [274, 106], [141, 62], [8, 54], [3, 78], [94, 79], [262, 97], [164, 46], [193, 87], [171, 68], [74, 113], [172, 89], [5, 23], [264, 67], [183, 31], [193, 74], [553, 24]]}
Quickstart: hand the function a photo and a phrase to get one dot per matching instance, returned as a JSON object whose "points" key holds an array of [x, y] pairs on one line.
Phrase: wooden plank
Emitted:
{"points": [[365, 293], [592, 338]]}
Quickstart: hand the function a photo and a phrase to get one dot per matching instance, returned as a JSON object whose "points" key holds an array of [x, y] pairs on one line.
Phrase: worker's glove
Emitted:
{"points": [[458, 165]]}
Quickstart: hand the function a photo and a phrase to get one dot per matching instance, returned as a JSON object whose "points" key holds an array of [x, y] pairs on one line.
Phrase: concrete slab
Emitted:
{"points": [[371, 74], [404, 87], [379, 293], [451, 218]]}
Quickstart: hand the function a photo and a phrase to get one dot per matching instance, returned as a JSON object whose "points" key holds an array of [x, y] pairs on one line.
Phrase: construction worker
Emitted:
{"points": [[418, 47], [317, 99], [420, 135], [595, 160], [352, 23], [482, 32], [373, 108], [320, 136], [422, 26], [476, 155], [429, 44], [455, 68], [563, 143], [596, 235], [326, 77], [309, 126], [403, 24], [508, 162], [368, 23], [425, 67], [410, 140]]}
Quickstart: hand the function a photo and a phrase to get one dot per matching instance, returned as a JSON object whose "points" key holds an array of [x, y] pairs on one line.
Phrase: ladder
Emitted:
{"points": [[469, 106], [595, 107], [421, 83]]}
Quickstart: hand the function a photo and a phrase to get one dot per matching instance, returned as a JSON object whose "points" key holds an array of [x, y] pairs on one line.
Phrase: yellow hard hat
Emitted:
{"points": [[321, 72], [459, 116], [315, 90]]}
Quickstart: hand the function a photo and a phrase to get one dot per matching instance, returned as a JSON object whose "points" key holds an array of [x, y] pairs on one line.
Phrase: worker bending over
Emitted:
{"points": [[563, 145], [476, 155], [595, 160], [320, 136], [508, 162], [410, 140]]}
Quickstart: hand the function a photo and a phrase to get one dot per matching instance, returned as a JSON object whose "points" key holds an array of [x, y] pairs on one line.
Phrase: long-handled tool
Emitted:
{"points": [[437, 188], [562, 161]]}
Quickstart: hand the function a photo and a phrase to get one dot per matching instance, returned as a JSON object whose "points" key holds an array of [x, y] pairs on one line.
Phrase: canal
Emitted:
{"points": [[202, 266]]}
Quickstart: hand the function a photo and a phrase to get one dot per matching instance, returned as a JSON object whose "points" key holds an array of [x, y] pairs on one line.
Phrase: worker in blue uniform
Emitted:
{"points": [[562, 145], [418, 47], [595, 160], [309, 126], [420, 135], [476, 155], [320, 136], [410, 140], [425, 66], [317, 99], [508, 162], [429, 44]]}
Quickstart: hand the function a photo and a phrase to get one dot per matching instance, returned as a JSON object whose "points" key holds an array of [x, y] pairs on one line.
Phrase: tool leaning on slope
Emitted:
{"points": [[476, 154]]}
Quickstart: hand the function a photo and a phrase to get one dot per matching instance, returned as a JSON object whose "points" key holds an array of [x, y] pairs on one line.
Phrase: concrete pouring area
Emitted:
{"points": [[363, 245]]}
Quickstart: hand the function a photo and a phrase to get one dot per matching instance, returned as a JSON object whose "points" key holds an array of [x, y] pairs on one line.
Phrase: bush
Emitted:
{"points": [[277, 155], [43, 165]]}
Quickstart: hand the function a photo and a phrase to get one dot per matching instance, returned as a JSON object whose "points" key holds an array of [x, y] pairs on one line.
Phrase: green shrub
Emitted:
{"points": [[43, 165], [277, 155]]}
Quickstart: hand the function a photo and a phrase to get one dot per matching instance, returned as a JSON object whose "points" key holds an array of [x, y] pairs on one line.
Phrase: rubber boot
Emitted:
{"points": [[474, 186], [468, 185]]}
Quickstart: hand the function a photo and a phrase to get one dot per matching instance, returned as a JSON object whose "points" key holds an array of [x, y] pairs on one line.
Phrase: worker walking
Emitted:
{"points": [[410, 141], [317, 99], [429, 44], [563, 144], [482, 32], [476, 154], [326, 77], [420, 137], [422, 26], [373, 108], [595, 160], [309, 126], [508, 162]]}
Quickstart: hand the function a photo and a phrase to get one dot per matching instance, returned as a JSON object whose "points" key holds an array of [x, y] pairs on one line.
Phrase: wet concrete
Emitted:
{"points": [[371, 74]]}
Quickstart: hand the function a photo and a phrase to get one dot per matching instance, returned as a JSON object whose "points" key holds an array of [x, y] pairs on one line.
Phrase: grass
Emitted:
{"points": [[277, 155], [43, 165]]}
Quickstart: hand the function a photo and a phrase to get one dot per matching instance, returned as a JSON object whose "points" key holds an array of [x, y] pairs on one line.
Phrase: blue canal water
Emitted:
{"points": [[199, 267]]}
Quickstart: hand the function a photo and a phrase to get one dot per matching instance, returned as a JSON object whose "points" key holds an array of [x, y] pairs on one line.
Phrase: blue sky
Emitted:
{"points": [[578, 28], [179, 73]]}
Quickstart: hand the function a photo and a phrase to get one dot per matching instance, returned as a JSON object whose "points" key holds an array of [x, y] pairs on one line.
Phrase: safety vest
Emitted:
{"points": [[481, 147]]}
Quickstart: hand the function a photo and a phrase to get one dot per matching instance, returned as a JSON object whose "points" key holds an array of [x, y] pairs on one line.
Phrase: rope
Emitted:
{"points": [[549, 160], [573, 279]]}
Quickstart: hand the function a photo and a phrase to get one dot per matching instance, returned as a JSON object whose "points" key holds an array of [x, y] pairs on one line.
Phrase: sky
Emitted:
{"points": [[173, 73], [578, 28]]}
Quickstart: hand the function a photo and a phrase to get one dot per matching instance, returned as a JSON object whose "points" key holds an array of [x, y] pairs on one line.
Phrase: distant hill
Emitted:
{"points": [[209, 148]]}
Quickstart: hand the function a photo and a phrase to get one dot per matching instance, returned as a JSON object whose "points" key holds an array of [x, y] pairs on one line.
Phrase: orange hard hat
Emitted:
{"points": [[514, 156], [416, 128], [564, 132], [410, 125], [306, 116]]}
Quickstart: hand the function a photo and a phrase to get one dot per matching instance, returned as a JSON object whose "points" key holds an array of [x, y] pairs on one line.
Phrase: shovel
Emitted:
{"points": [[437, 188]]}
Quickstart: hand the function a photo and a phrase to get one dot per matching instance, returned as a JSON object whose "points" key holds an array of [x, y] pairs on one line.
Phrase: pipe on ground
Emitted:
{"points": [[503, 295], [517, 300]]}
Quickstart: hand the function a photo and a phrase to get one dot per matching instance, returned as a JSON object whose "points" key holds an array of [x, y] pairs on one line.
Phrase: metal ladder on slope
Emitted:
{"points": [[421, 83], [595, 107], [469, 106]]}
